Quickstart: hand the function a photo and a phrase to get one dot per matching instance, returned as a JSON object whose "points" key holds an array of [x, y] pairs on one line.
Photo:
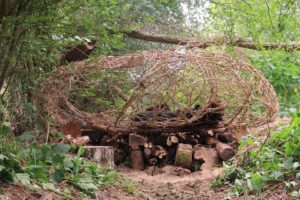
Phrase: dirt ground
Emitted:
{"points": [[165, 186], [195, 186]]}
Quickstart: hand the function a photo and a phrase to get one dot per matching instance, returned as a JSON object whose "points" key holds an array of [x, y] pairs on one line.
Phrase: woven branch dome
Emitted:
{"points": [[109, 91]]}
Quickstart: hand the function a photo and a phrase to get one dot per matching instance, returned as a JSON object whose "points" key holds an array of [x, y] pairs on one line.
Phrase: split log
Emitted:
{"points": [[172, 139], [137, 160], [104, 155], [184, 155], [225, 152], [159, 151], [208, 155]]}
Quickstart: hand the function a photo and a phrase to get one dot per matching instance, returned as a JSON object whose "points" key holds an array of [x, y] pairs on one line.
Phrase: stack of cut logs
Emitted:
{"points": [[200, 145], [187, 150]]}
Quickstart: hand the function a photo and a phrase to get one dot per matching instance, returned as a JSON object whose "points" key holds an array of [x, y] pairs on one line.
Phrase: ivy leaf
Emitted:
{"points": [[68, 163], [277, 175], [38, 172], [256, 182], [58, 175], [288, 164], [50, 186], [61, 149], [22, 178]]}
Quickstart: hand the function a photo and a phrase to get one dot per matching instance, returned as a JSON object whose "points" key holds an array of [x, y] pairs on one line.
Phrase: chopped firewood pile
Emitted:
{"points": [[156, 108], [201, 143]]}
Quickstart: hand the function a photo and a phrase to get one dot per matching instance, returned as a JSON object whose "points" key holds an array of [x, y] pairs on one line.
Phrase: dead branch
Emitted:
{"points": [[195, 43]]}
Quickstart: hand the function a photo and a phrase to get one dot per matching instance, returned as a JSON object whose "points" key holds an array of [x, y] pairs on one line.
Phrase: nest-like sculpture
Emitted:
{"points": [[114, 92]]}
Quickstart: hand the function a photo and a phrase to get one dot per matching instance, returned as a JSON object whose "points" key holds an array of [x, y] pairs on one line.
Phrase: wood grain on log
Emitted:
{"points": [[137, 160]]}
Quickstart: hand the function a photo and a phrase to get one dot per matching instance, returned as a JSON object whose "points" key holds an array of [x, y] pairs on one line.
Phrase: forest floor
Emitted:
{"points": [[165, 186], [195, 186]]}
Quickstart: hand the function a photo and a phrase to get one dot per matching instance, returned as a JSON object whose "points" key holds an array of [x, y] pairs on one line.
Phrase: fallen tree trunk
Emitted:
{"points": [[238, 42]]}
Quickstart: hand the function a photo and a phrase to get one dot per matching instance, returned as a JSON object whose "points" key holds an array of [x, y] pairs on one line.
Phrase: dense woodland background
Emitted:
{"points": [[36, 35]]}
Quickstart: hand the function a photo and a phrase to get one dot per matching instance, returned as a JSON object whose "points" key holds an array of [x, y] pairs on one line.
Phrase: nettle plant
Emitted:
{"points": [[274, 160]]}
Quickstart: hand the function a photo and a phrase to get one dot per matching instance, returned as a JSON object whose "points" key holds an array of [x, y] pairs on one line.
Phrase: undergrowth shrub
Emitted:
{"points": [[52, 167], [262, 163]]}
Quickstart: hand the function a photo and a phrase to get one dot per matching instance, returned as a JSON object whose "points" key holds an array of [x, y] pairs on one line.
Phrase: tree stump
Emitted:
{"points": [[184, 155], [104, 155]]}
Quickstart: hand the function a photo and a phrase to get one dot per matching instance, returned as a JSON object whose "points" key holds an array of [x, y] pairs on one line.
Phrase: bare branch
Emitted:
{"points": [[237, 41]]}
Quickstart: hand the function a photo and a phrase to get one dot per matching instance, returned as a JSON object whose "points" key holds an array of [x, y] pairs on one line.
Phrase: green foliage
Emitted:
{"points": [[277, 160], [265, 21], [261, 20], [49, 166], [35, 33], [282, 70], [100, 92]]}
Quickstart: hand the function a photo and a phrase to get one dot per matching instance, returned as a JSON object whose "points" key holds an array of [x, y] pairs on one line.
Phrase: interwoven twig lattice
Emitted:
{"points": [[109, 91]]}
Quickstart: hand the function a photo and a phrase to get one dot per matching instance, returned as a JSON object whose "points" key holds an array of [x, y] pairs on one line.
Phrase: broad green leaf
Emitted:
{"points": [[61, 148], [58, 175], [277, 175], [288, 164], [22, 178], [51, 187], [256, 182]]}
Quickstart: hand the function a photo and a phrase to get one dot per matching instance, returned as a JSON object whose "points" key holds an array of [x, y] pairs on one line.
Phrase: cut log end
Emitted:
{"points": [[184, 155], [104, 155], [225, 152]]}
